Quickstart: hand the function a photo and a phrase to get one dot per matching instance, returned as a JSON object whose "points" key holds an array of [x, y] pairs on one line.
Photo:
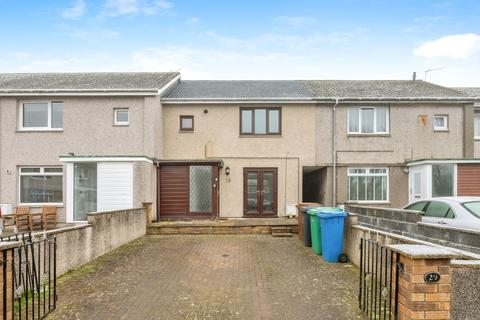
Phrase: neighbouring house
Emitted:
{"points": [[475, 93], [81, 141], [204, 149]]}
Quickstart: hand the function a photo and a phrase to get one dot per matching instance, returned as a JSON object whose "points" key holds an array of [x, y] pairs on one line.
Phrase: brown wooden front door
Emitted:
{"points": [[187, 191], [260, 192]]}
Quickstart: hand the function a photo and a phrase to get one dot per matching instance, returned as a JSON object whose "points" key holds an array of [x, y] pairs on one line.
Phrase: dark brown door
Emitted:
{"points": [[260, 192], [187, 191]]}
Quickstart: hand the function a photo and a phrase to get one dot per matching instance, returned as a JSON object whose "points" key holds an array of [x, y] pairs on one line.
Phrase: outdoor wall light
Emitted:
{"points": [[227, 171]]}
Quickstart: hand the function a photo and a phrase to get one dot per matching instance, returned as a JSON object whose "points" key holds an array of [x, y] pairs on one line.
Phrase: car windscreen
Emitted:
{"points": [[473, 207]]}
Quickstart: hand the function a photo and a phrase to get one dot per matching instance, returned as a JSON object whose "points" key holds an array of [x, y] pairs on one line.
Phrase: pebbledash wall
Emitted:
{"points": [[408, 139], [88, 130], [104, 232]]}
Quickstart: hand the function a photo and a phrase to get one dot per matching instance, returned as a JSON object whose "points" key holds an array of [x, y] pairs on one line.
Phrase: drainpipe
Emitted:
{"points": [[334, 152]]}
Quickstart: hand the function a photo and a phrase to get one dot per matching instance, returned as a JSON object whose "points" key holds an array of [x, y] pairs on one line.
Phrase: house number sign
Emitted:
{"points": [[431, 277]]}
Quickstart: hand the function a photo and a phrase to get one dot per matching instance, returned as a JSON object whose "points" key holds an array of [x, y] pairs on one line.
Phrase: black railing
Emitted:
{"points": [[30, 278], [378, 287]]}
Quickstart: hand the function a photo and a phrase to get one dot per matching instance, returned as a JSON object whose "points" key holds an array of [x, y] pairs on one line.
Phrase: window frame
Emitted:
{"points": [[40, 173], [121, 123], [476, 111], [368, 174], [182, 129], [267, 120], [446, 127], [49, 116], [359, 132]]}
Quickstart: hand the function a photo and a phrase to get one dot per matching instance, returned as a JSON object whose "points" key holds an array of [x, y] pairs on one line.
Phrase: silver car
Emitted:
{"points": [[457, 212]]}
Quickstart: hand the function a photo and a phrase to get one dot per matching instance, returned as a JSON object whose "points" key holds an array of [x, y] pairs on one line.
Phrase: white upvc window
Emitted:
{"points": [[40, 185], [477, 124], [41, 116], [368, 185], [368, 120], [440, 123], [121, 117]]}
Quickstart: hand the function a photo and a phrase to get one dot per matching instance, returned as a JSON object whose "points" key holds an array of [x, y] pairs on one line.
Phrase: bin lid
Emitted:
{"points": [[314, 210], [305, 209], [331, 214]]}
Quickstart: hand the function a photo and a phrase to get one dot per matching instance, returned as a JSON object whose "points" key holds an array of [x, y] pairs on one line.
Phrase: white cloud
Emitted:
{"points": [[460, 46], [75, 12], [105, 34], [295, 21], [115, 8], [192, 20]]}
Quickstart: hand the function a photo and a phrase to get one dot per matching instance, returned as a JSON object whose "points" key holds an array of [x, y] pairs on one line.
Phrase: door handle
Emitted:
{"points": [[441, 222]]}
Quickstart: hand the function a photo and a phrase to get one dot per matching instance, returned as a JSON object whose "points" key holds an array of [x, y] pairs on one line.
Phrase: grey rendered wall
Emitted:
{"points": [[104, 232], [408, 139], [398, 185]]}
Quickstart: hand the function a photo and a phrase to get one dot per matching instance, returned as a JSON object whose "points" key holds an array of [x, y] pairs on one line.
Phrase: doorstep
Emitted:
{"points": [[223, 226]]}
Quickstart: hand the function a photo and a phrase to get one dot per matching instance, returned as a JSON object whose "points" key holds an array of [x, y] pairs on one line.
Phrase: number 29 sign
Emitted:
{"points": [[431, 277]]}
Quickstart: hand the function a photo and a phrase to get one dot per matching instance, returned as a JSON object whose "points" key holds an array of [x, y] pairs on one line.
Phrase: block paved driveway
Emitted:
{"points": [[210, 277]]}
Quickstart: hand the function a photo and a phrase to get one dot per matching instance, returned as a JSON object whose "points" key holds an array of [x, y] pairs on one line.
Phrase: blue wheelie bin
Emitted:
{"points": [[332, 225]]}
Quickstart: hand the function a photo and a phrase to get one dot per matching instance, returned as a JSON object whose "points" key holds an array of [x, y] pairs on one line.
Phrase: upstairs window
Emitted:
{"points": [[121, 117], [186, 123], [368, 120], [440, 123], [42, 115], [260, 121]]}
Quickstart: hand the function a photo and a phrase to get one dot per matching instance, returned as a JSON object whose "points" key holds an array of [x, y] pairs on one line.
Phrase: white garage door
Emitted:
{"points": [[114, 186]]}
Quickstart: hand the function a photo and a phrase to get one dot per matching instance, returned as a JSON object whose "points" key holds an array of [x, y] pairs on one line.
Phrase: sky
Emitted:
{"points": [[246, 39]]}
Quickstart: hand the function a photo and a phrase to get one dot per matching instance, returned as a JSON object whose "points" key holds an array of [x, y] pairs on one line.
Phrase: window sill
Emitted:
{"points": [[39, 205], [186, 131], [441, 130], [121, 125], [364, 135], [476, 138], [260, 136], [38, 130]]}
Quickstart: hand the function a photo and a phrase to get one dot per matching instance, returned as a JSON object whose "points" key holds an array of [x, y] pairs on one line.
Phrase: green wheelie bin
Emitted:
{"points": [[315, 229]]}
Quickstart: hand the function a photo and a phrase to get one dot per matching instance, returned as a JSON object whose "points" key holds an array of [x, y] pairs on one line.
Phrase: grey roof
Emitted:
{"points": [[393, 89], [311, 90], [93, 81], [239, 89], [472, 91]]}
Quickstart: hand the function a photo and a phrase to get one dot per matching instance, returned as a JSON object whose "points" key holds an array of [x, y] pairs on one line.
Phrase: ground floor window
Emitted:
{"points": [[442, 180], [39, 185], [368, 184]]}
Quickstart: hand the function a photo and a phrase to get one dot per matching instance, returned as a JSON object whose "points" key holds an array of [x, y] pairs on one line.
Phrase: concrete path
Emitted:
{"points": [[210, 277]]}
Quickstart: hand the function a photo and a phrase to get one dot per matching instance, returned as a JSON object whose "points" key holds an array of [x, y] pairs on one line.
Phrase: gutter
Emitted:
{"points": [[317, 100]]}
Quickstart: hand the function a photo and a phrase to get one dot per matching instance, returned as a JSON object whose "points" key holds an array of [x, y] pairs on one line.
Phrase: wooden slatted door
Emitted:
{"points": [[173, 191], [260, 192], [188, 191]]}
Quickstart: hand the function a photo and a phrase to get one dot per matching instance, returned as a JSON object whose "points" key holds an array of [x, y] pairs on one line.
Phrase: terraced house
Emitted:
{"points": [[206, 149]]}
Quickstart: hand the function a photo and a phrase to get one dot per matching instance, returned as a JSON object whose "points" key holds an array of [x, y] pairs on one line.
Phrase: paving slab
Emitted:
{"points": [[210, 277]]}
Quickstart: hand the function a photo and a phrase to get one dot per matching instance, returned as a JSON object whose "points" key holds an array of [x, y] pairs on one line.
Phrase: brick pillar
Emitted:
{"points": [[418, 298], [6, 253]]}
